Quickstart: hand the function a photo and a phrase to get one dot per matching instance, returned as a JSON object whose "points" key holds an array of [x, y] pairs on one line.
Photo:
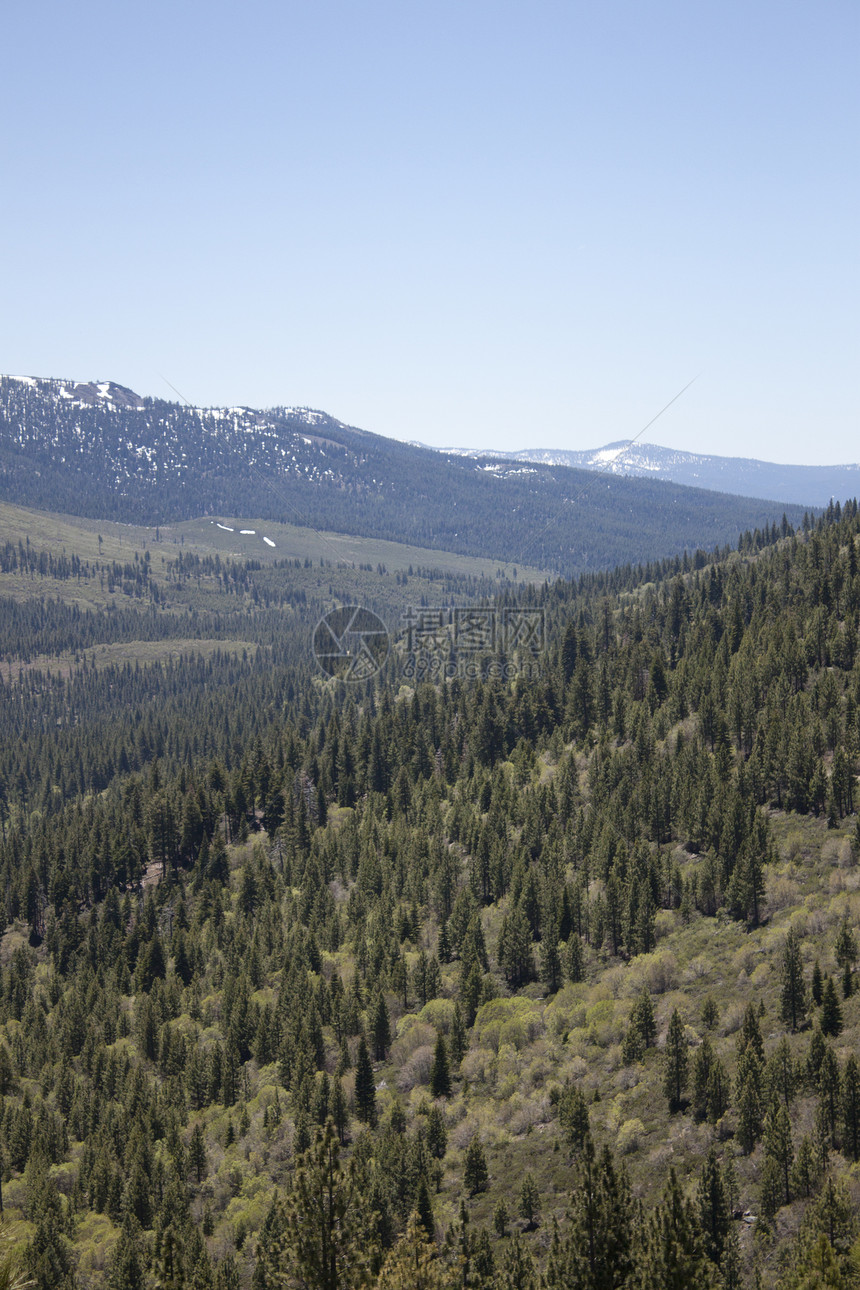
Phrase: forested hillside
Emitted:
{"points": [[104, 452], [523, 982]]}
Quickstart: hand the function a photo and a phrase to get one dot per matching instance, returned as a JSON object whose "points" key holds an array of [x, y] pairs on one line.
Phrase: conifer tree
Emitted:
{"points": [[770, 1191], [804, 1172], [831, 1010], [598, 1250], [710, 1013], [530, 1202], [851, 1107], [550, 959], [365, 1086], [672, 1253], [778, 1146], [829, 1093], [324, 1230], [573, 1115], [846, 945], [475, 1173], [714, 1207], [437, 1138], [749, 1101], [518, 1269], [125, 1271], [815, 1055], [381, 1029], [574, 958], [197, 1152], [703, 1062], [793, 998], [675, 1062], [458, 1036], [424, 1207], [340, 1111], [440, 1074], [413, 1263]]}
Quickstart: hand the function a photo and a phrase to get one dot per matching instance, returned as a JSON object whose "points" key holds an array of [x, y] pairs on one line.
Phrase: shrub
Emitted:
{"points": [[629, 1136]]}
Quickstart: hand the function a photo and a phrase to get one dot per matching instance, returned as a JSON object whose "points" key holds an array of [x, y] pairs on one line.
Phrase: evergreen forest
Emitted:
{"points": [[534, 978]]}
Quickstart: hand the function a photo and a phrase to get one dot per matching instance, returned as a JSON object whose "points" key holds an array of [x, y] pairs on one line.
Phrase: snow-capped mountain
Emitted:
{"points": [[99, 449], [743, 476]]}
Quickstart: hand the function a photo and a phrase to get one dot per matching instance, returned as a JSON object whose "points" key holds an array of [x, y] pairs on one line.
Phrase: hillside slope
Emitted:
{"points": [[101, 451], [575, 948]]}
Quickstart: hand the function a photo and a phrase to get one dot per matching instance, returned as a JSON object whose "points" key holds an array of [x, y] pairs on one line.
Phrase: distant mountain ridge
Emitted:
{"points": [[742, 476], [98, 449]]}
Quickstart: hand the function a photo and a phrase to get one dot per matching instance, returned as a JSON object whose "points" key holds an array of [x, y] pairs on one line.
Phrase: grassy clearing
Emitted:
{"points": [[203, 537], [116, 653]]}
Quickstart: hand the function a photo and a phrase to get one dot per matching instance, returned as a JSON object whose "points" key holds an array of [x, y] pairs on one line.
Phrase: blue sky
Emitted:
{"points": [[467, 223]]}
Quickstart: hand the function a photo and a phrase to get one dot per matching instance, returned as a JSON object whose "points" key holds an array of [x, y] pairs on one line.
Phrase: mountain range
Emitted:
{"points": [[98, 449], [743, 476]]}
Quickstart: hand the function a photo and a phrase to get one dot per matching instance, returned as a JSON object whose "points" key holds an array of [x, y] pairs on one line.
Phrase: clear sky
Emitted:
{"points": [[471, 223]]}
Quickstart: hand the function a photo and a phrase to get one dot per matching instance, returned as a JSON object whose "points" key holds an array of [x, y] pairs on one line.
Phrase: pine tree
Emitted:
{"points": [[574, 958], [675, 1062], [714, 1207], [703, 1062], [48, 1257], [424, 1207], [672, 1255], [793, 999], [815, 1266], [829, 1093], [833, 1213], [437, 1138], [642, 1029], [530, 1202], [749, 1100], [815, 1055], [126, 1270], [197, 1152], [413, 1263], [644, 1013], [440, 1074], [458, 1036], [745, 890], [339, 1111], [770, 1190], [573, 1116], [550, 959], [846, 945], [778, 1146], [718, 1091], [475, 1173], [365, 1086], [781, 1073], [598, 1250], [381, 1029], [804, 1172], [831, 1010], [518, 1269], [749, 1035], [710, 1013], [851, 1107], [325, 1237]]}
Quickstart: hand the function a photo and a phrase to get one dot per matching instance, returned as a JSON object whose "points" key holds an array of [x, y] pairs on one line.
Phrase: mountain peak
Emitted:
{"points": [[83, 394]]}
